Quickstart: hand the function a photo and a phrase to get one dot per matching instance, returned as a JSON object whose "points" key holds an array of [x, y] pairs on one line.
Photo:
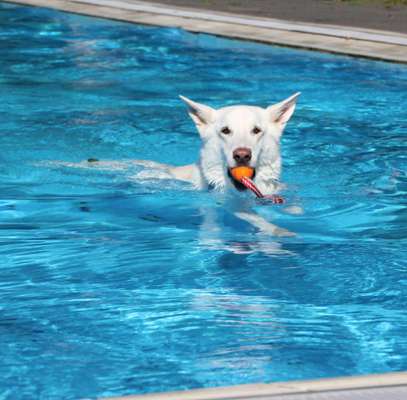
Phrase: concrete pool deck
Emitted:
{"points": [[391, 386], [361, 42]]}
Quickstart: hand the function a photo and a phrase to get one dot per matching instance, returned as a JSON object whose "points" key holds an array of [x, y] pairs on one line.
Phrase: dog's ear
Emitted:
{"points": [[201, 114], [281, 112]]}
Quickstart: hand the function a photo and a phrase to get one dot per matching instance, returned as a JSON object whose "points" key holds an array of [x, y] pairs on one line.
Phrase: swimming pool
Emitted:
{"points": [[113, 286]]}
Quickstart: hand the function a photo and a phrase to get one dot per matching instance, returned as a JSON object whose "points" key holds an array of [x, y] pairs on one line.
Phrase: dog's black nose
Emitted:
{"points": [[242, 155]]}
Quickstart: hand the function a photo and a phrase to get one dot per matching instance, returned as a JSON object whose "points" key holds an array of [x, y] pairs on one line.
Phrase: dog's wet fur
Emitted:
{"points": [[254, 131]]}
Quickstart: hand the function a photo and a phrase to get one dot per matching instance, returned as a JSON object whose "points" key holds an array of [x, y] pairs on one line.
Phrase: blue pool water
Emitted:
{"points": [[111, 285]]}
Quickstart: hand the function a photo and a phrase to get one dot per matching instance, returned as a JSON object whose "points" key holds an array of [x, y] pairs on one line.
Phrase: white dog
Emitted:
{"points": [[234, 136], [231, 136]]}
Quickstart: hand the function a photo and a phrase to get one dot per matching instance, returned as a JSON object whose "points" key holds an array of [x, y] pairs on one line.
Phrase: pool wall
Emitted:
{"points": [[359, 42]]}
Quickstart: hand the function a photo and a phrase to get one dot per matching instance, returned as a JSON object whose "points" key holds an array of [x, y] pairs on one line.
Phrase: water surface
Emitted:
{"points": [[114, 286]]}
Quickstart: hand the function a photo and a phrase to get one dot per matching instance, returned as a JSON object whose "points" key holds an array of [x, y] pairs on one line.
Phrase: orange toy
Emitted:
{"points": [[242, 172]]}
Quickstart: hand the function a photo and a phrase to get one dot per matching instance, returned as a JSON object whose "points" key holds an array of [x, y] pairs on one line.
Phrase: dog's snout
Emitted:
{"points": [[242, 155]]}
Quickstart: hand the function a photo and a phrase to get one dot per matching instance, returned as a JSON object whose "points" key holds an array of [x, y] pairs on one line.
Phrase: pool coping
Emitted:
{"points": [[275, 391], [359, 42]]}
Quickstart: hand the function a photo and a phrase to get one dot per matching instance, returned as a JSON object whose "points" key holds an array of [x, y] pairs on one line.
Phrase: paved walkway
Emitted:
{"points": [[388, 15], [383, 45]]}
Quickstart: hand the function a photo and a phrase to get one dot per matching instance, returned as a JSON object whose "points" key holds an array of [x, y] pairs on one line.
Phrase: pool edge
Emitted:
{"points": [[352, 384], [290, 34]]}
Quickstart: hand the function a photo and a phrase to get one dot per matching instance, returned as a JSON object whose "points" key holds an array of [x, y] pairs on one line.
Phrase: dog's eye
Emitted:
{"points": [[256, 130], [226, 130]]}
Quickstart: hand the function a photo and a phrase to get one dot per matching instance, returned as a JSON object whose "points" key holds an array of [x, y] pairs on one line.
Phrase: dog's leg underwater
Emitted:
{"points": [[263, 225]]}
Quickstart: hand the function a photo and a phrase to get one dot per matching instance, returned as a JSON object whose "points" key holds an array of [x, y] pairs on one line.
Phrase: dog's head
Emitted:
{"points": [[240, 136]]}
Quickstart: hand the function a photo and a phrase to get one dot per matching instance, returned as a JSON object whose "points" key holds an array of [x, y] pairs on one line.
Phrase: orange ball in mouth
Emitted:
{"points": [[239, 172]]}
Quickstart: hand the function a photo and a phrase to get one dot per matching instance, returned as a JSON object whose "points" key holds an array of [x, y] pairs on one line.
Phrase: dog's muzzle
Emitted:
{"points": [[242, 156]]}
